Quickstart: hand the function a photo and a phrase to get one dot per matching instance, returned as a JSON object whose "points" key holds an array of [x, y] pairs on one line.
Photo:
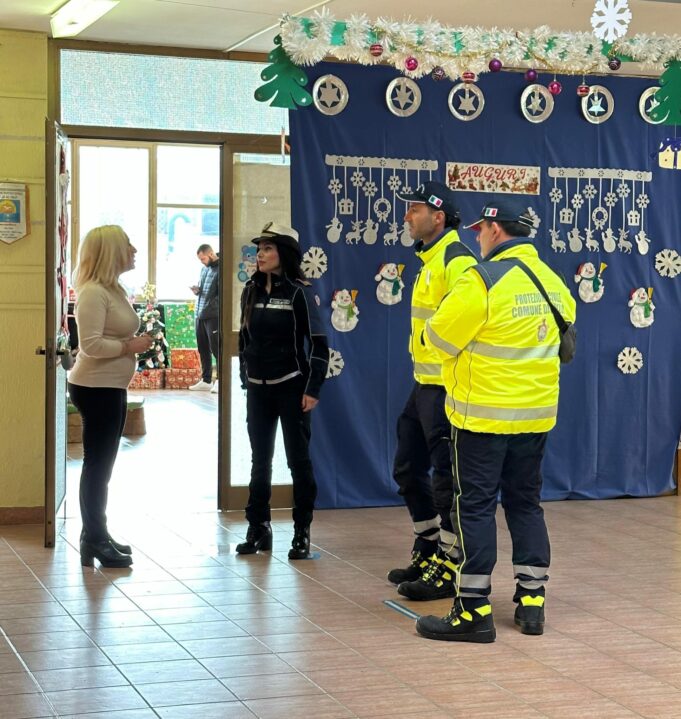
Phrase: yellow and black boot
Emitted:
{"points": [[417, 566], [463, 624], [437, 582], [529, 614]]}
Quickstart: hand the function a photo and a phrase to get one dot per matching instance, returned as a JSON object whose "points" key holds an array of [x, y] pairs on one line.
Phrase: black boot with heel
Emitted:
{"points": [[105, 553], [258, 538], [300, 546], [122, 548]]}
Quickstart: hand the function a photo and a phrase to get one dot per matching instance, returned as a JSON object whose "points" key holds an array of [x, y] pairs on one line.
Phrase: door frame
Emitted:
{"points": [[228, 497]]}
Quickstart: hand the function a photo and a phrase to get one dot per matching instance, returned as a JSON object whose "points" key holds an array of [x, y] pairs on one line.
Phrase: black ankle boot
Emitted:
{"points": [[258, 538], [300, 546], [103, 551], [122, 548]]}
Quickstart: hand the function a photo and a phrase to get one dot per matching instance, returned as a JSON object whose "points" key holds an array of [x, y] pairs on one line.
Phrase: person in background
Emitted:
{"points": [[208, 317], [98, 383], [422, 467], [499, 344], [283, 357]]}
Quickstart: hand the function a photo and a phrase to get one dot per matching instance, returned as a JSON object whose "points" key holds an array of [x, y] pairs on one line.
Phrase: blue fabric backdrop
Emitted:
{"points": [[616, 433]]}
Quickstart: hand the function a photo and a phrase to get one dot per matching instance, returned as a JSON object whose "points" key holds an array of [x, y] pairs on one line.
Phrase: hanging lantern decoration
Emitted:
{"points": [[411, 63], [531, 75], [614, 63], [468, 77], [376, 49], [438, 74], [582, 90], [555, 88], [495, 65]]}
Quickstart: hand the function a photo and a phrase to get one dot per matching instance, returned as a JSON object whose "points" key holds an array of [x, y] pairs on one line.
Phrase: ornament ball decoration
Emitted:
{"points": [[438, 74], [468, 76], [411, 63], [582, 90], [495, 65], [555, 88], [614, 63], [376, 49], [531, 75]]}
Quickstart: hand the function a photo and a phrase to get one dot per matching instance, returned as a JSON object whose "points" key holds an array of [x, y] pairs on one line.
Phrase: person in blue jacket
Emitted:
{"points": [[283, 357]]}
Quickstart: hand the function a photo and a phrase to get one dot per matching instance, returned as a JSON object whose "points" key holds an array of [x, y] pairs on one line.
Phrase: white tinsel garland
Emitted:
{"points": [[459, 49]]}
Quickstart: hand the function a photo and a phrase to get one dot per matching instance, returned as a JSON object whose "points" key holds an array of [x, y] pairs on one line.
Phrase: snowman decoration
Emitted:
{"points": [[390, 285], [591, 286], [642, 313], [344, 310], [334, 230]]}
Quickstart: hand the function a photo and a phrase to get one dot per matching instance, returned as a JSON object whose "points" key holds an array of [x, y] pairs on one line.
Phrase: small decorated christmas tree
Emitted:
{"points": [[668, 111], [150, 323], [285, 82]]}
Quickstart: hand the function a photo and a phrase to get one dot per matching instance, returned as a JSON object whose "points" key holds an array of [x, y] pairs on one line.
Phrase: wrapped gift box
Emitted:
{"points": [[179, 321], [185, 359], [179, 378], [148, 379]]}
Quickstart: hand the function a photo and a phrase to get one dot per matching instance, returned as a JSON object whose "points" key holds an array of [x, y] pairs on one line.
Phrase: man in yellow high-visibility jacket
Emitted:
{"points": [[422, 467], [499, 342]]}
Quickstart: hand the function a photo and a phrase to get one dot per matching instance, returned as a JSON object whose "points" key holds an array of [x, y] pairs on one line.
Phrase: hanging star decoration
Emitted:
{"points": [[404, 97], [535, 105], [596, 106], [329, 94], [467, 102]]}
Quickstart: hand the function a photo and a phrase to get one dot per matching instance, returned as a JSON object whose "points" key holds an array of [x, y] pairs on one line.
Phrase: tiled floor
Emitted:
{"points": [[195, 631]]}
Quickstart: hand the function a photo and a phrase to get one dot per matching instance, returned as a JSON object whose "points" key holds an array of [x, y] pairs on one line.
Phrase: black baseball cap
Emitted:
{"points": [[436, 195], [503, 210], [280, 235]]}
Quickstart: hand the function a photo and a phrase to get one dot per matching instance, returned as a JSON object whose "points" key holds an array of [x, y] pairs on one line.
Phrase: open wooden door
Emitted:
{"points": [[56, 350]]}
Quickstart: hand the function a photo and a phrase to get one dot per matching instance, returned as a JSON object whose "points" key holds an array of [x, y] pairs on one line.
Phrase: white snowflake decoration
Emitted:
{"points": [[577, 201], [610, 199], [314, 263], [629, 360], [336, 363], [394, 183], [668, 263], [610, 19], [590, 192], [643, 201], [556, 195], [335, 186]]}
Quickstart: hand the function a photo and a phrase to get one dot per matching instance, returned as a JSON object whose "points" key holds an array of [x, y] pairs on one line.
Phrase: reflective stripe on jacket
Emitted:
{"points": [[499, 344], [443, 263]]}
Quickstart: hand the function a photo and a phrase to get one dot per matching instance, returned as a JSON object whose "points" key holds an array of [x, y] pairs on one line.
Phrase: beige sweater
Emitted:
{"points": [[105, 321]]}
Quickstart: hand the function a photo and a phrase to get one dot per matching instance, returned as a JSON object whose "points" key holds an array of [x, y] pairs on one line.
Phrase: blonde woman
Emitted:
{"points": [[98, 383]]}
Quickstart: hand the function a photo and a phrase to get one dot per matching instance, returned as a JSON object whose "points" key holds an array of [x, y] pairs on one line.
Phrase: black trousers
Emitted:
{"points": [[103, 411], [207, 341], [484, 465], [266, 406], [423, 433]]}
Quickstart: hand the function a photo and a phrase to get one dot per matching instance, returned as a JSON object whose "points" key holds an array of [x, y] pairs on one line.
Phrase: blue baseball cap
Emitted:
{"points": [[503, 210], [434, 194]]}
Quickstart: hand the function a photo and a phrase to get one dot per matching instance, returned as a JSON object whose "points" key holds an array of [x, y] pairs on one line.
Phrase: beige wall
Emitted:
{"points": [[23, 107]]}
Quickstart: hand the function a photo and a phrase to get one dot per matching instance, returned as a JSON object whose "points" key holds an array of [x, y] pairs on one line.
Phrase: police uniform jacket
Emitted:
{"points": [[284, 337], [442, 262], [499, 344]]}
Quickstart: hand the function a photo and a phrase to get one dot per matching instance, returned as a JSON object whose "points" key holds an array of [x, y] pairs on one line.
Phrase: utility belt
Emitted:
{"points": [[278, 380]]}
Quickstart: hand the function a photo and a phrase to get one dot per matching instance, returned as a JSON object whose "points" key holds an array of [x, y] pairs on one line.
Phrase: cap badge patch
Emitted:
{"points": [[435, 200], [491, 211]]}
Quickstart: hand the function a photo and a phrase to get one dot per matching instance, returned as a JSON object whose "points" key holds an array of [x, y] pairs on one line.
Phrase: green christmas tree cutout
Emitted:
{"points": [[285, 82], [668, 97]]}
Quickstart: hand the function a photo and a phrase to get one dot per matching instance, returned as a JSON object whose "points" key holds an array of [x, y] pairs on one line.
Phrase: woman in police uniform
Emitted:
{"points": [[283, 357]]}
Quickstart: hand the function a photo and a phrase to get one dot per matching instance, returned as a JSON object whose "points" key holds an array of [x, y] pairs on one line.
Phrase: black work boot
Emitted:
{"points": [[437, 582], [460, 625], [416, 567], [122, 548], [258, 537], [300, 546], [529, 614]]}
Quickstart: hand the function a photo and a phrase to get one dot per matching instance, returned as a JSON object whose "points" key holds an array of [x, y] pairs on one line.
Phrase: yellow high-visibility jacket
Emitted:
{"points": [[499, 344], [443, 263]]}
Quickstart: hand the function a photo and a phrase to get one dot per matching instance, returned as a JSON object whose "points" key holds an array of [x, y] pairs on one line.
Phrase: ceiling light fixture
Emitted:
{"points": [[74, 16], [252, 36]]}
